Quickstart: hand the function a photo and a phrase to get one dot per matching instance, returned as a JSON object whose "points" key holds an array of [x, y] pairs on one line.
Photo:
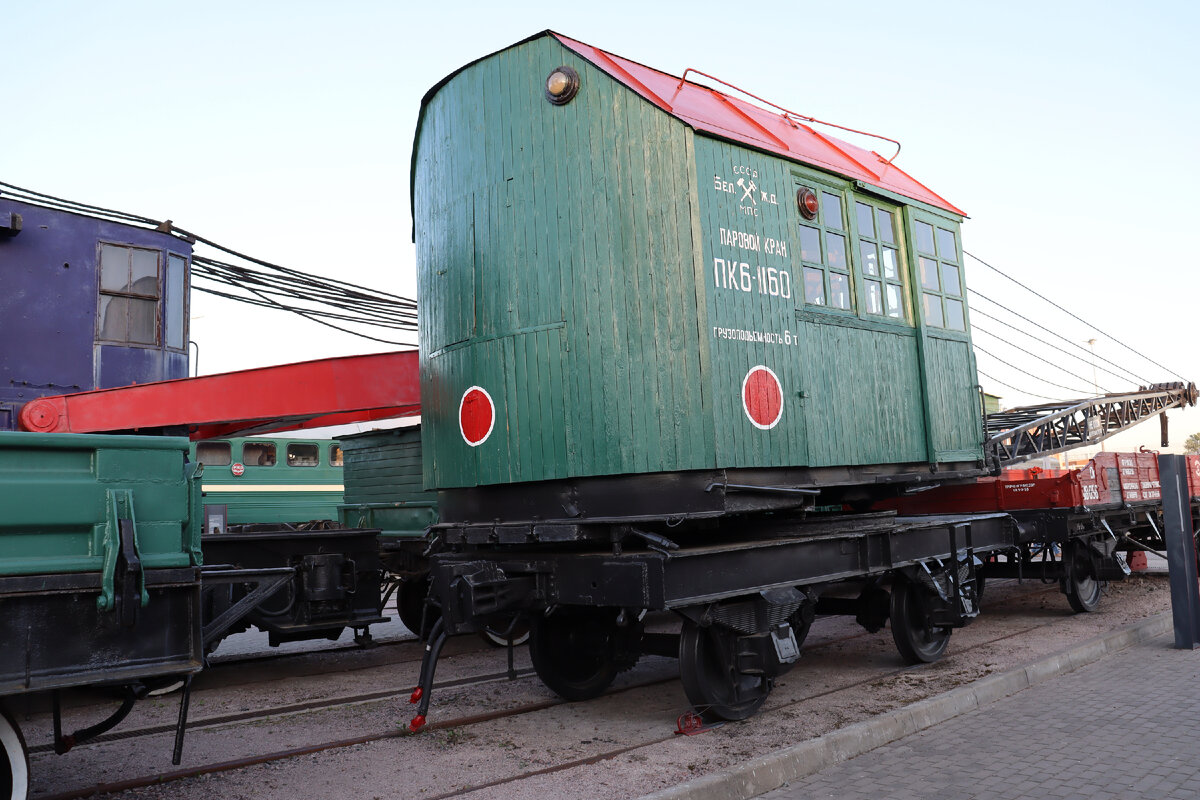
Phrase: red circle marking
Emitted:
{"points": [[238, 470], [762, 397], [476, 416]]}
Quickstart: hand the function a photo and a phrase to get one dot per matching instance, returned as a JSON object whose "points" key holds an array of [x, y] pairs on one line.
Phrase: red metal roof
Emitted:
{"points": [[721, 115]]}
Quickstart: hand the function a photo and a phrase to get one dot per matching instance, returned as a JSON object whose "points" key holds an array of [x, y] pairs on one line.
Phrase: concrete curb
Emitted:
{"points": [[773, 770]]}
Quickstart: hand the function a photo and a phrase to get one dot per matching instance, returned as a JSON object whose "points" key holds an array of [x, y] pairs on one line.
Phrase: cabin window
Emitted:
{"points": [[303, 455], [258, 454], [824, 255], [129, 294], [879, 261], [175, 303], [335, 455], [939, 268], [214, 454]]}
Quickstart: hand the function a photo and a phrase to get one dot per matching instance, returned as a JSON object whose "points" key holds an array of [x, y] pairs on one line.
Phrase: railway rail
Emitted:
{"points": [[1020, 609]]}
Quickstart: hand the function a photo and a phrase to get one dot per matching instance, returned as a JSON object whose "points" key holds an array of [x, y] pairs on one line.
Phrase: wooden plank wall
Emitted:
{"points": [[579, 315]]}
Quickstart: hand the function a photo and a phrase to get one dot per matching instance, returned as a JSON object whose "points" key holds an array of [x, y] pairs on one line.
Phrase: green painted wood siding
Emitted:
{"points": [[556, 270], [610, 278]]}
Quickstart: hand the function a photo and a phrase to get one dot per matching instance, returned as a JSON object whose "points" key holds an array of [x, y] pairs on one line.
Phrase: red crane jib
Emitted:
{"points": [[308, 394]]}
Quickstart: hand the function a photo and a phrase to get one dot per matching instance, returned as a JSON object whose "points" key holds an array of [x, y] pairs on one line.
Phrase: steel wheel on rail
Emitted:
{"points": [[574, 651], [711, 680], [14, 766], [917, 640], [497, 635], [1080, 584], [410, 604]]}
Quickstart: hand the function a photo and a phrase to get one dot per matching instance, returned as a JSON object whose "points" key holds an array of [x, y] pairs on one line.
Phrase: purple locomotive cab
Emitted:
{"points": [[86, 303]]}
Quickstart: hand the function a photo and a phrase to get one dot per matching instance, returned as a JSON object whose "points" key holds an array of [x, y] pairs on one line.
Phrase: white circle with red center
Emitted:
{"points": [[476, 416], [762, 397], [238, 470]]}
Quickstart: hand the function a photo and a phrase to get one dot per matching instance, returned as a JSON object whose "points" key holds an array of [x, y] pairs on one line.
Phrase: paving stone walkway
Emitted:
{"points": [[1125, 727]]}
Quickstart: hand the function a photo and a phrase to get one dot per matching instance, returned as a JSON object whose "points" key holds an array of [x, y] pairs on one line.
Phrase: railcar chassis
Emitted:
{"points": [[1081, 548], [747, 588]]}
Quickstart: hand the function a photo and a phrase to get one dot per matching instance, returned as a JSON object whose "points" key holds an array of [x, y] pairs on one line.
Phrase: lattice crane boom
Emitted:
{"points": [[1020, 434]]}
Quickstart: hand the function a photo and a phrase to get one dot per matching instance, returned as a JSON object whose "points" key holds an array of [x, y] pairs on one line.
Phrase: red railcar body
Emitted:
{"points": [[1110, 480]]}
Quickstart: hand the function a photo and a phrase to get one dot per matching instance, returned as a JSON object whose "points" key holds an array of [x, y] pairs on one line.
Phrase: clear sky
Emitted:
{"points": [[1067, 130]]}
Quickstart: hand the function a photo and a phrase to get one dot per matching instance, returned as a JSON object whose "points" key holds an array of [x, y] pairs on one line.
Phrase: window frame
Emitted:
{"points": [[903, 277], [920, 292], [228, 452], [157, 297], [186, 302], [820, 187], [261, 443], [341, 461], [287, 454]]}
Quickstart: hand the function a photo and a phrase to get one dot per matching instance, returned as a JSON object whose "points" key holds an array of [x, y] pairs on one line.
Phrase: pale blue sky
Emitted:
{"points": [[1068, 131]]}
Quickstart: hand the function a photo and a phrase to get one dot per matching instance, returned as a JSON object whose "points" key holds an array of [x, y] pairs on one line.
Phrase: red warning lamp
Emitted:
{"points": [[806, 200]]}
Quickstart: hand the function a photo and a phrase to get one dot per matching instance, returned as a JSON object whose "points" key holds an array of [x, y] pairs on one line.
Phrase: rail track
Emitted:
{"points": [[826, 637]]}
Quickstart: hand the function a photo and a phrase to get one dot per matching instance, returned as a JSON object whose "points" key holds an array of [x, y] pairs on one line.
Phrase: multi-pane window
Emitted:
{"points": [[940, 273], [129, 292], [823, 254], [880, 263]]}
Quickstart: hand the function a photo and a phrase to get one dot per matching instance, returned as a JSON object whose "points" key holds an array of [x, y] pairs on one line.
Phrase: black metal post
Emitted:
{"points": [[1181, 551]]}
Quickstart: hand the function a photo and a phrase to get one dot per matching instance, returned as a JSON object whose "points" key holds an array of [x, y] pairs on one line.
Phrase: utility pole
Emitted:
{"points": [[1095, 381]]}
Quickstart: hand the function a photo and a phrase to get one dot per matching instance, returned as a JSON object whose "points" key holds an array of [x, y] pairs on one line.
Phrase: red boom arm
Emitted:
{"points": [[309, 394]]}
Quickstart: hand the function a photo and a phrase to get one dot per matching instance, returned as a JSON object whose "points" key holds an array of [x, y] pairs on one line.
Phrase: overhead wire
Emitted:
{"points": [[1014, 388], [1028, 374], [1072, 315], [976, 327], [313, 297], [977, 312]]}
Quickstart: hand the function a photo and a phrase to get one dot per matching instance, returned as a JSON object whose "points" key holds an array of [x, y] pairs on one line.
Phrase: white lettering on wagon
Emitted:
{"points": [[739, 275], [758, 337], [753, 241], [747, 190]]}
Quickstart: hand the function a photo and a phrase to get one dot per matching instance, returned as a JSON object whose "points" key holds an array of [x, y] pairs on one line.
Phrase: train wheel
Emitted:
{"points": [[14, 765], [711, 680], [574, 651], [496, 635], [1080, 584], [410, 603], [917, 640]]}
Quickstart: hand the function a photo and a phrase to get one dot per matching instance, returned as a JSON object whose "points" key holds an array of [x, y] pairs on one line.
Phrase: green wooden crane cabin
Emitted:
{"points": [[622, 272]]}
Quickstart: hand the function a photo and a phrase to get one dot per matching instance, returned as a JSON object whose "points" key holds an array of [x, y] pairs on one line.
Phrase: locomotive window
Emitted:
{"points": [[214, 454], [335, 455], [128, 304], [258, 454], [879, 261], [825, 257], [303, 455]]}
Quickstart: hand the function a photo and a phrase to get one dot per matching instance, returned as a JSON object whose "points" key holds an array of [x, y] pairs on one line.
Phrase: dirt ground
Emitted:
{"points": [[845, 675]]}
